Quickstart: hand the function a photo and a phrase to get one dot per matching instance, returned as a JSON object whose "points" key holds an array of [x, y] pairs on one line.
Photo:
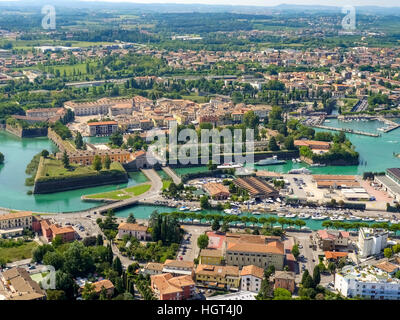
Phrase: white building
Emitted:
{"points": [[371, 241], [251, 278], [367, 282]]}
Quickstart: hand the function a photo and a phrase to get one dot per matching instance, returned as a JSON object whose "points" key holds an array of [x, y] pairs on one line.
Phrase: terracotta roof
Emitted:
{"points": [[211, 253], [178, 264], [253, 271], [223, 271], [104, 123], [289, 275], [335, 255], [107, 284], [216, 188], [387, 266], [132, 227], [154, 266], [15, 215], [166, 283], [274, 247]]}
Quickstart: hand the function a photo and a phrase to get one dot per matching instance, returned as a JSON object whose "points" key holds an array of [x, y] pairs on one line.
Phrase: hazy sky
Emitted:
{"points": [[386, 3]]}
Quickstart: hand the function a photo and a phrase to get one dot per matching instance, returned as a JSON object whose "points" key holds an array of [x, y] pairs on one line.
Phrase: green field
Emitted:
{"points": [[166, 184], [51, 168], [122, 194], [18, 253]]}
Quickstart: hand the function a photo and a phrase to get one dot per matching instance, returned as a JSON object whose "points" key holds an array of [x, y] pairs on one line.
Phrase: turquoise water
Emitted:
{"points": [[13, 192], [144, 212], [96, 139]]}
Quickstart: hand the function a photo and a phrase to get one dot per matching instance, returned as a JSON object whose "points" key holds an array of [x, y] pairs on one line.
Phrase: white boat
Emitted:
{"points": [[336, 218], [196, 209], [367, 219], [294, 160], [382, 220], [269, 161], [394, 221], [300, 171], [256, 213], [230, 166], [353, 218], [184, 208], [298, 160], [304, 216], [319, 217], [305, 228], [291, 215], [318, 165], [280, 214]]}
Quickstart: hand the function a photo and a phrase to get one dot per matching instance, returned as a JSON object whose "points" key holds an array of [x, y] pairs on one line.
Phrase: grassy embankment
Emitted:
{"points": [[122, 194]]}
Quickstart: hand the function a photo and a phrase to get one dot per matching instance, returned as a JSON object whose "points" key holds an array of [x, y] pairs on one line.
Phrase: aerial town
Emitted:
{"points": [[98, 202]]}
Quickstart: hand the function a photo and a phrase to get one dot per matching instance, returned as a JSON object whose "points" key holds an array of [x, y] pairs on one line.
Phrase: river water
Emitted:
{"points": [[376, 154]]}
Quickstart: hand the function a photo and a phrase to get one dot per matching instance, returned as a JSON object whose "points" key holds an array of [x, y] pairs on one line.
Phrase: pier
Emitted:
{"points": [[362, 133], [392, 125]]}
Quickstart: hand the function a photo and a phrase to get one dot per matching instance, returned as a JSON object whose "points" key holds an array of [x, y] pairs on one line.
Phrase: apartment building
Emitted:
{"points": [[367, 282], [211, 256], [371, 241], [260, 251], [167, 287], [220, 277], [138, 231], [285, 280], [330, 240], [102, 128], [13, 223]]}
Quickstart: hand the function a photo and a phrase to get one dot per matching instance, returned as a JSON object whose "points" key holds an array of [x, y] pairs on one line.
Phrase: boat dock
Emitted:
{"points": [[362, 133], [392, 125]]}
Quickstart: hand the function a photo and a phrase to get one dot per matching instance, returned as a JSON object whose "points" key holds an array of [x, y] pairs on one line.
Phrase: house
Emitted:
{"points": [[217, 190], [219, 277], [388, 267], [211, 256], [106, 284], [329, 240], [50, 230], [167, 287], [285, 280], [17, 284], [134, 230], [250, 278], [334, 256], [153, 268], [178, 267], [256, 187], [102, 128]]}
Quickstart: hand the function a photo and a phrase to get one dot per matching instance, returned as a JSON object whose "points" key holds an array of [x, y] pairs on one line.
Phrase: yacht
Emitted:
{"points": [[300, 171], [336, 218], [291, 215], [184, 208], [280, 214], [382, 220], [305, 228], [319, 217], [256, 213], [270, 161], [196, 209], [294, 160], [394, 221], [304, 216], [318, 165]]}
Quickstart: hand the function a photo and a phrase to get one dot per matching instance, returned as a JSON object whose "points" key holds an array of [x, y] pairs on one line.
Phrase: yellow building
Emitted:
{"points": [[211, 256], [12, 224], [221, 277]]}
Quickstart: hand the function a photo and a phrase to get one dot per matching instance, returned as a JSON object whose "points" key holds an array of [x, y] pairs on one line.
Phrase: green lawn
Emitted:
{"points": [[122, 194], [166, 184], [18, 253]]}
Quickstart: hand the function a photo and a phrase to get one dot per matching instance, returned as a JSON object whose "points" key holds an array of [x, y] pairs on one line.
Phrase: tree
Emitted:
{"points": [[272, 145], [45, 153], [388, 252], [251, 120], [55, 295], [65, 283], [202, 241], [307, 280], [215, 225], [204, 204], [107, 162], [65, 160], [117, 266], [57, 241], [117, 139], [316, 276], [99, 240], [103, 294], [211, 165], [289, 143], [131, 218], [282, 294], [79, 141], [1, 158], [97, 163], [295, 251], [88, 292], [331, 267], [53, 258]]}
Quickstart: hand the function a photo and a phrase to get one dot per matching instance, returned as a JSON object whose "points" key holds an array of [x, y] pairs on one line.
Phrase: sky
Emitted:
{"points": [[382, 3]]}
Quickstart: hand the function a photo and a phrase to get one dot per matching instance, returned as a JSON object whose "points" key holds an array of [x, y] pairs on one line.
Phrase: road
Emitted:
{"points": [[172, 174]]}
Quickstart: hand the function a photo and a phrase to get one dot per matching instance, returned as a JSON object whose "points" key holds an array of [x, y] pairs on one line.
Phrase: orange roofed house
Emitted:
{"points": [[251, 277], [217, 190], [315, 146], [51, 230], [133, 229], [167, 287]]}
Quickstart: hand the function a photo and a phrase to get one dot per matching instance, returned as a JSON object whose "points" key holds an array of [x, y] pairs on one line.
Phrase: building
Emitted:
{"points": [[240, 295], [329, 240], [50, 230], [315, 146], [371, 241], [261, 251], [86, 157], [14, 223], [334, 256], [211, 256], [335, 181], [256, 187], [250, 278], [102, 106], [138, 231], [17, 284], [167, 287], [367, 282], [106, 284], [390, 182], [388, 267], [285, 280], [178, 267], [218, 277], [217, 191], [102, 128]]}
